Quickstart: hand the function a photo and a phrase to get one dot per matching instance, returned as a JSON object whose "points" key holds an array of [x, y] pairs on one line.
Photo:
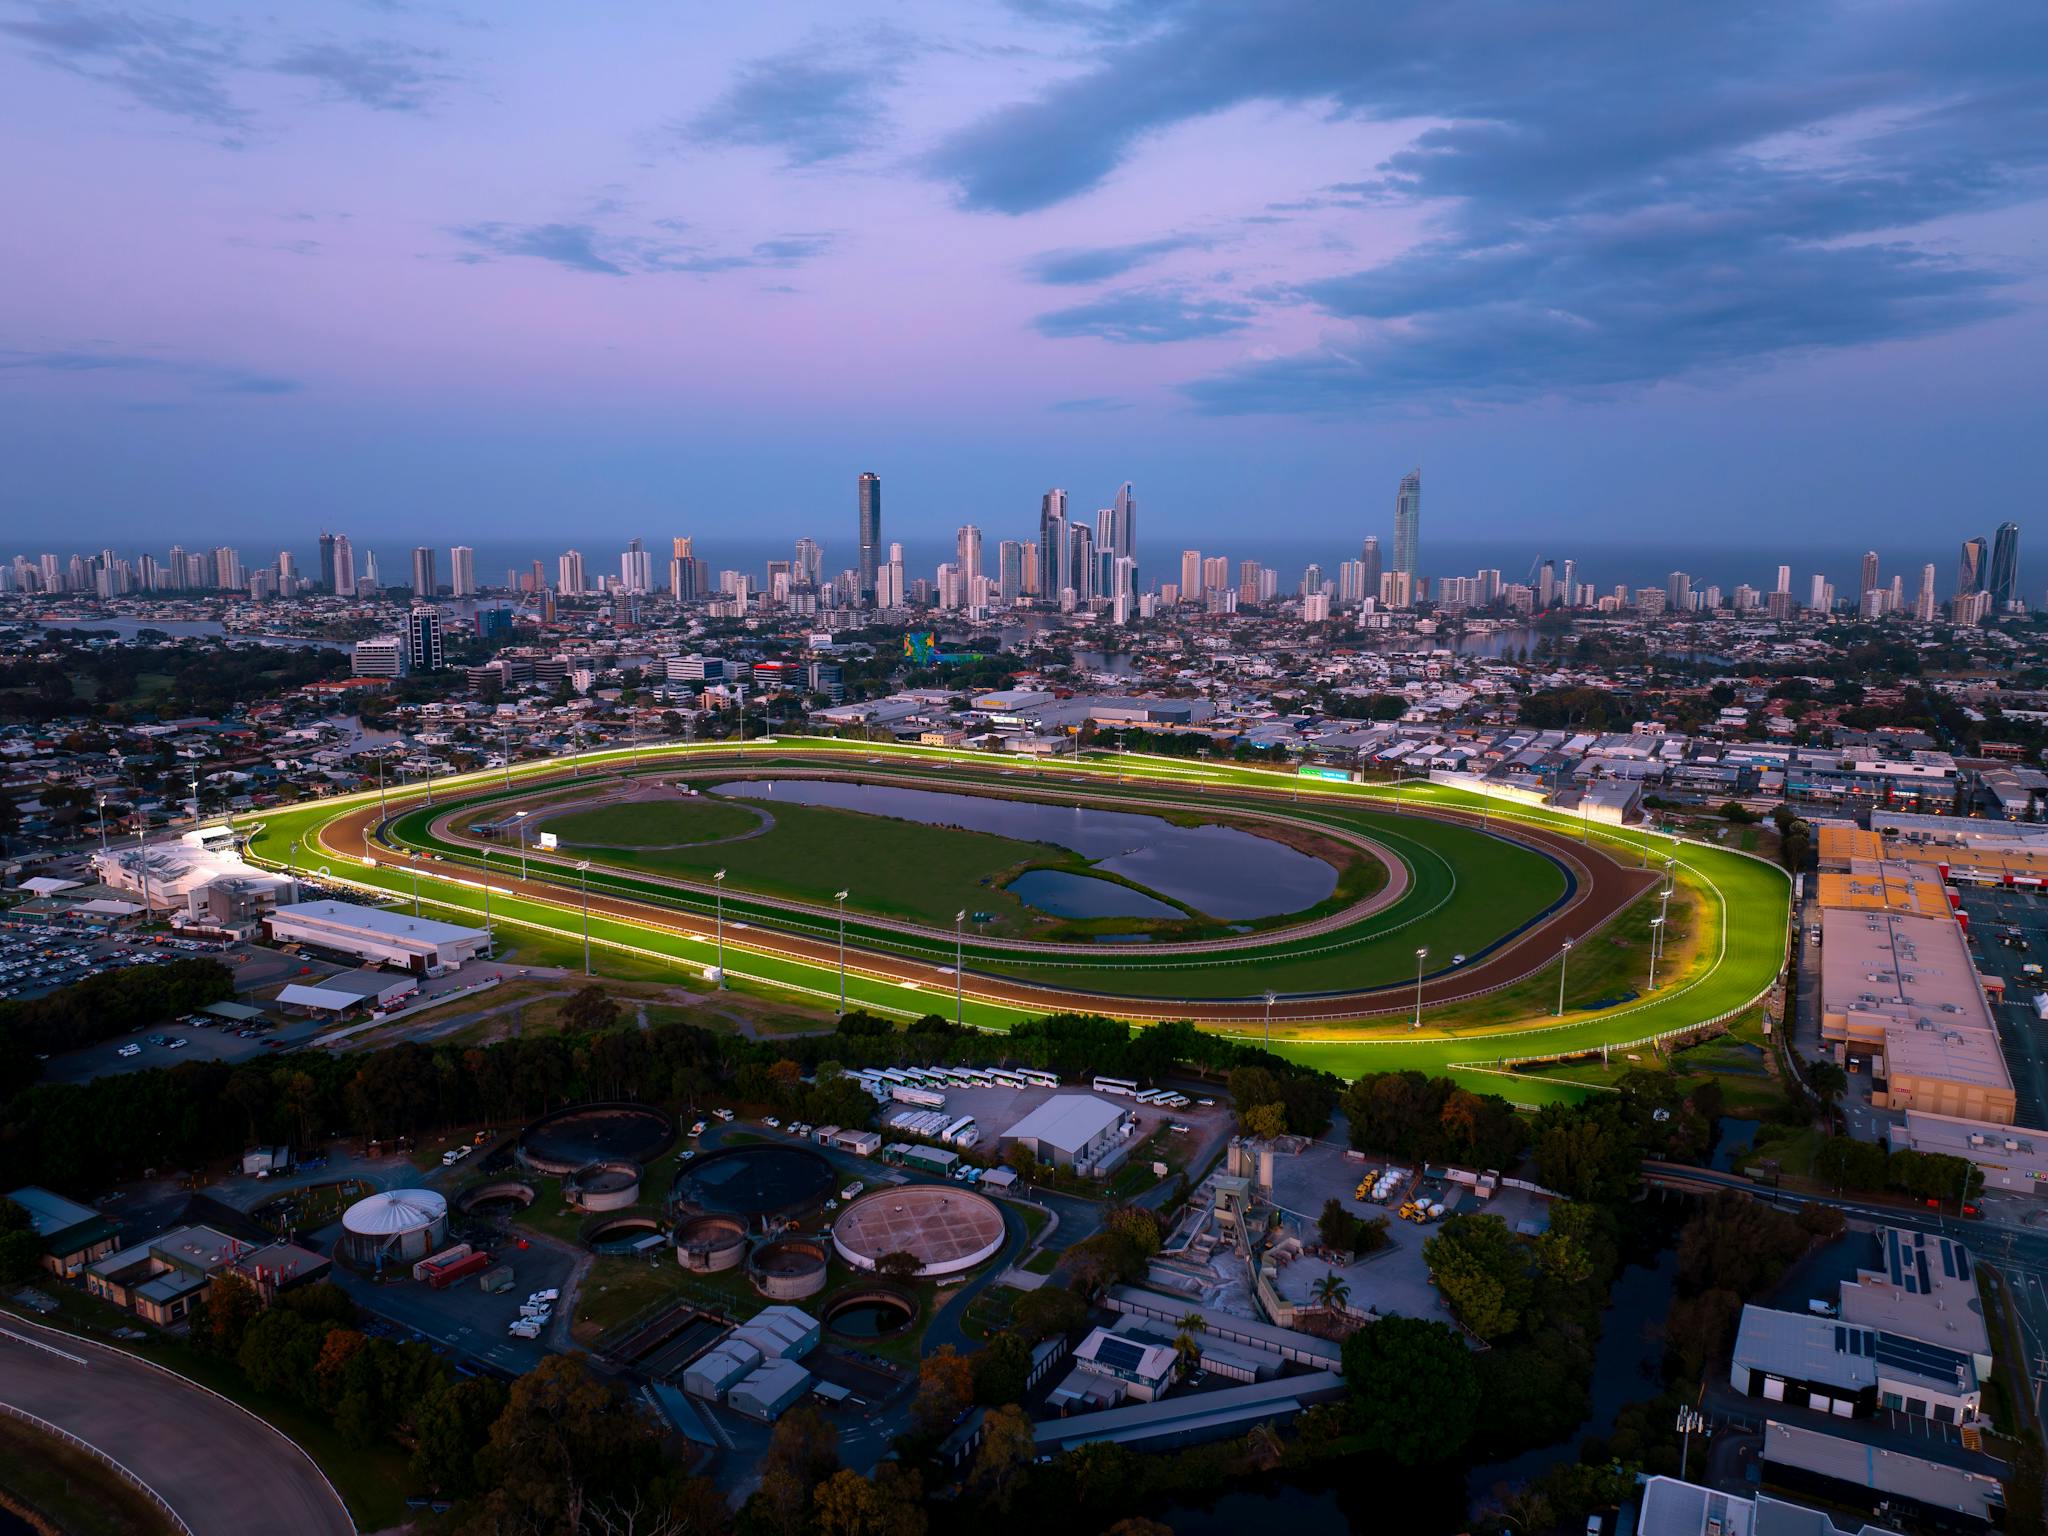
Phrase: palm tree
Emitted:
{"points": [[1263, 1443], [1185, 1343], [1333, 1291]]}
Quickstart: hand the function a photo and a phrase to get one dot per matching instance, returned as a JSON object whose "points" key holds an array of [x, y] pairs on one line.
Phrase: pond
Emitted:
{"points": [[1221, 871], [871, 1319], [1065, 894]]}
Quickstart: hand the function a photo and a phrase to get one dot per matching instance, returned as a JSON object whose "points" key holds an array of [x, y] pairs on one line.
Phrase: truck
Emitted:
{"points": [[2041, 1005], [433, 1261], [441, 1276]]}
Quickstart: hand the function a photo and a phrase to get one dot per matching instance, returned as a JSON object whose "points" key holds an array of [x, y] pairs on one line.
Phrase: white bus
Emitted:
{"points": [[1006, 1078], [1123, 1086], [1038, 1077], [1153, 1096], [893, 1077], [973, 1077]]}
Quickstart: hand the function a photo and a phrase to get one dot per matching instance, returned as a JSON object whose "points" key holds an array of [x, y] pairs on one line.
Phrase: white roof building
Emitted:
{"points": [[1072, 1130], [377, 934]]}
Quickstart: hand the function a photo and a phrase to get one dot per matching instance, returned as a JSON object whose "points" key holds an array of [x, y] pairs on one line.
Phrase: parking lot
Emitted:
{"points": [[468, 1321], [996, 1109], [36, 958], [1993, 911]]}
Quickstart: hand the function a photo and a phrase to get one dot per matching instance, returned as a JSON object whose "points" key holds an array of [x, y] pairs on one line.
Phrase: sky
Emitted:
{"points": [[1714, 272]]}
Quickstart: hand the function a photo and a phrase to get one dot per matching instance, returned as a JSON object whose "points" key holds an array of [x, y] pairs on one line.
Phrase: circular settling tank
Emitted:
{"points": [[498, 1197], [946, 1229], [570, 1139], [707, 1244], [603, 1187], [790, 1268], [764, 1185], [870, 1312]]}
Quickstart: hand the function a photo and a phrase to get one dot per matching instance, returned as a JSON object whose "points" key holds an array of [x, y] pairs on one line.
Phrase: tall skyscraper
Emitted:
{"points": [[636, 568], [569, 572], [868, 517], [1116, 536], [1009, 570], [1784, 579], [1677, 592], [1869, 578], [967, 554], [326, 561], [1408, 524], [462, 571], [1053, 575], [1248, 579], [2004, 584], [1081, 567], [1970, 568], [1369, 558], [345, 567], [1924, 604], [1191, 575], [424, 581]]}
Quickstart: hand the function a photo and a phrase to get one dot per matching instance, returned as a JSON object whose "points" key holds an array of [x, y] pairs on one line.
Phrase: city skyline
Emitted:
{"points": [[369, 267]]}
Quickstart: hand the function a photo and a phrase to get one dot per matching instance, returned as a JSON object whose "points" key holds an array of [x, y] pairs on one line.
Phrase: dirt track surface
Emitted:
{"points": [[1602, 889], [223, 1470]]}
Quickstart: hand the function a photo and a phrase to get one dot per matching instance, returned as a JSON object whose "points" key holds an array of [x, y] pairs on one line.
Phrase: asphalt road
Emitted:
{"points": [[1602, 889], [221, 1469]]}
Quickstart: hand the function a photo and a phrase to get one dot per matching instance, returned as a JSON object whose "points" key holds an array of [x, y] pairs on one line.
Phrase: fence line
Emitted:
{"points": [[156, 1499]]}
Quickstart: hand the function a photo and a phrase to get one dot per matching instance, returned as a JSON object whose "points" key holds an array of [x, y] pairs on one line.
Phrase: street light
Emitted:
{"points": [[1656, 936], [959, 961], [718, 893], [1420, 956], [583, 871], [840, 897], [1564, 959], [103, 826], [1271, 998]]}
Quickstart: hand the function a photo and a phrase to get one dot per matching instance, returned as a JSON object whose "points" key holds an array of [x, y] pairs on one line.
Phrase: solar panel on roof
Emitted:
{"points": [[1962, 1263], [1925, 1284], [1120, 1353], [1948, 1258]]}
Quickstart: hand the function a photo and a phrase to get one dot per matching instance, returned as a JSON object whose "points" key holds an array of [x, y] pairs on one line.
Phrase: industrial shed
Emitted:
{"points": [[770, 1391]]}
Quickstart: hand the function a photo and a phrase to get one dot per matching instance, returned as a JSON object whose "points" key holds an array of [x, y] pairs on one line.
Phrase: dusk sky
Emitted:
{"points": [[1709, 271]]}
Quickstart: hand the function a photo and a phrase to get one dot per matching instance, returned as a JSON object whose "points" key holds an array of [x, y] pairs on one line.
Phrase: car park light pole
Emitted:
{"points": [[1420, 956], [519, 821], [718, 896], [1564, 959], [583, 870], [840, 897], [959, 962], [103, 826]]}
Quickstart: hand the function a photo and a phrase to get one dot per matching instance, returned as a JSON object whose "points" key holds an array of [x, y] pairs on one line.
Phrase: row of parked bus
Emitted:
{"points": [[1127, 1088], [881, 1081]]}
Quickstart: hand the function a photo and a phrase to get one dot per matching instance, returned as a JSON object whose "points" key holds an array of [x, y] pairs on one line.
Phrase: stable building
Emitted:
{"points": [[377, 935]]}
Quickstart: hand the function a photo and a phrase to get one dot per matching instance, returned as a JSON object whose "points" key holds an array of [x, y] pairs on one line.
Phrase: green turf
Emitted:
{"points": [[650, 824], [1743, 921]]}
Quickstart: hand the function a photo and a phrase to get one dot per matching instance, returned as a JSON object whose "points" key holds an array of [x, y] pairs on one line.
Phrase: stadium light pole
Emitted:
{"points": [[382, 812], [410, 870], [840, 897], [959, 962], [505, 752], [519, 821], [1656, 935], [490, 933], [1420, 956], [718, 896], [142, 858], [1271, 999], [1564, 959], [583, 870]]}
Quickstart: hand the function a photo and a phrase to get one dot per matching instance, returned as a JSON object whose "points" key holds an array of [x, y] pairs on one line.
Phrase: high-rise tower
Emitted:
{"points": [[1054, 574], [869, 534], [1970, 568], [2004, 584], [1408, 523]]}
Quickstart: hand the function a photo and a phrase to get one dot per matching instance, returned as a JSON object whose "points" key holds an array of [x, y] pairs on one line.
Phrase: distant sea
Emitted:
{"points": [[1604, 564]]}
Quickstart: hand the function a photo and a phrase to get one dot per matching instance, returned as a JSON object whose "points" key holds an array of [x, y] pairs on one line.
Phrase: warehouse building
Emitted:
{"points": [[715, 1372], [769, 1390], [1837, 1368], [1877, 1481], [72, 1235], [377, 935], [778, 1333], [2011, 1157], [1075, 1130], [1902, 993]]}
